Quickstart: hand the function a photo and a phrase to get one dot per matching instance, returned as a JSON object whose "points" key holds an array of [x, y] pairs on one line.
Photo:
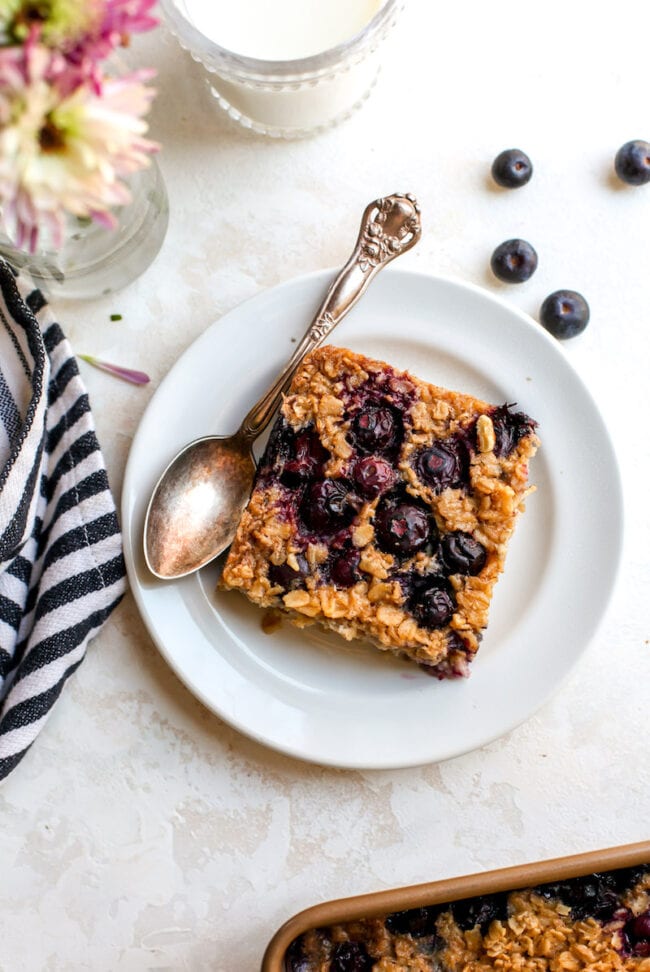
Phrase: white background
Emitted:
{"points": [[140, 832]]}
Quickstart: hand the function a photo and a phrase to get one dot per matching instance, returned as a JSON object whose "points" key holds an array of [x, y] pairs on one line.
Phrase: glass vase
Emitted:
{"points": [[94, 261]]}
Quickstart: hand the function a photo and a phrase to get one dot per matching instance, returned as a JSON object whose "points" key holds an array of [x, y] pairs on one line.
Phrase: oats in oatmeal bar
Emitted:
{"points": [[596, 923], [382, 509]]}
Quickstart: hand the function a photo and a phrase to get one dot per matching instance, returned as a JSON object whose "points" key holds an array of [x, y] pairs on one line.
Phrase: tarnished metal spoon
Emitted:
{"points": [[196, 505]]}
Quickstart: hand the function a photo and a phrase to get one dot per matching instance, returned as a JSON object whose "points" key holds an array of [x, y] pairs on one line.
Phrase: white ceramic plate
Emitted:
{"points": [[308, 693]]}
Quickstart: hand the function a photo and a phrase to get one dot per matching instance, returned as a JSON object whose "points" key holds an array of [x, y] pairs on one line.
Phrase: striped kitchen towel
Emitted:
{"points": [[61, 565]]}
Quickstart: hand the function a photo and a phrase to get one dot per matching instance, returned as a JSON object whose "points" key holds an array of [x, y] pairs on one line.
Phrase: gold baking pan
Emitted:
{"points": [[451, 889]]}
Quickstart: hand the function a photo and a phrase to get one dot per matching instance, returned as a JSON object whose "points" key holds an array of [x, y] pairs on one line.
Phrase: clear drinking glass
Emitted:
{"points": [[95, 261], [288, 98]]}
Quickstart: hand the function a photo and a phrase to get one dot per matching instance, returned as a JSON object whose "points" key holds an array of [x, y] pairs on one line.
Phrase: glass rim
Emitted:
{"points": [[202, 47]]}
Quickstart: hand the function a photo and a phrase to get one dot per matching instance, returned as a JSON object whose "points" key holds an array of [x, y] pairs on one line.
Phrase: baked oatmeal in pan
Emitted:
{"points": [[596, 923]]}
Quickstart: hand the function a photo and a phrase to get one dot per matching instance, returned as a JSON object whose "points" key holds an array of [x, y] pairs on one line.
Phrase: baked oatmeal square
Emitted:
{"points": [[382, 509]]}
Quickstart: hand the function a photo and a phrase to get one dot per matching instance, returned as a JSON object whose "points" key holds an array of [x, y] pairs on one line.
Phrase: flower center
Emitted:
{"points": [[58, 23], [50, 137], [28, 15]]}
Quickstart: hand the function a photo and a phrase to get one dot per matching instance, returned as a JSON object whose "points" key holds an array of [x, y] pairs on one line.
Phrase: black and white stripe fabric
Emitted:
{"points": [[61, 565]]}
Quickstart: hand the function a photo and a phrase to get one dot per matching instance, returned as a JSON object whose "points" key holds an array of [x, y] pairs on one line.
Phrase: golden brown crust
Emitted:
{"points": [[538, 935], [374, 608], [392, 953]]}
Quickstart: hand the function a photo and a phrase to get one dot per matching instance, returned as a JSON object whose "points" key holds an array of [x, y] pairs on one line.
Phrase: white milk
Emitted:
{"points": [[285, 100], [280, 30]]}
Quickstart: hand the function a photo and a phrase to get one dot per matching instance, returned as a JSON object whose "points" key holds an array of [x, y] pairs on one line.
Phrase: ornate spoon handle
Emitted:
{"points": [[389, 227]]}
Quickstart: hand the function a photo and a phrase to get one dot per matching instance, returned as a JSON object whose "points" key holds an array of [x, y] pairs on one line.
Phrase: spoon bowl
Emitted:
{"points": [[197, 503], [199, 500]]}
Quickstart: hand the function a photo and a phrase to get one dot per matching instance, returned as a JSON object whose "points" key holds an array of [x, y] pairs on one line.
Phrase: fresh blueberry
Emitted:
{"points": [[418, 922], [434, 608], [462, 554], [403, 528], [329, 505], [377, 428], [286, 577], [344, 570], [565, 313], [512, 169], [373, 475], [514, 261], [632, 162], [636, 933], [350, 957], [444, 464], [509, 428], [480, 911]]}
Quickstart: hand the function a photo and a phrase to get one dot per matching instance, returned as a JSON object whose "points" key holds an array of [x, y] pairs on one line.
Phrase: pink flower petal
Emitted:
{"points": [[128, 374], [119, 19], [105, 219]]}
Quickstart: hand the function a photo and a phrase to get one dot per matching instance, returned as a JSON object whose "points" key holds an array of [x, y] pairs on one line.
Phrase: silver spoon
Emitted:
{"points": [[196, 505]]}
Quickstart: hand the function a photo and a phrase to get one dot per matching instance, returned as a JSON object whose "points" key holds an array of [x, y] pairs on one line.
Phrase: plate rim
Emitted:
{"points": [[288, 747]]}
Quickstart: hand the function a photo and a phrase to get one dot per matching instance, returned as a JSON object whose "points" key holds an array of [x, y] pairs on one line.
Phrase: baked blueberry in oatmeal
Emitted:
{"points": [[382, 509], [596, 923]]}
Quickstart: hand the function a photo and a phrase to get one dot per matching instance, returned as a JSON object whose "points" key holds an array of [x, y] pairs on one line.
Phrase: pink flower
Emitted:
{"points": [[65, 146], [116, 21], [84, 31], [125, 17]]}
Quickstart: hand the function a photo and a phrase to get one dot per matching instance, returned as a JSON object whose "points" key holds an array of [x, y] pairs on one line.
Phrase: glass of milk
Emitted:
{"points": [[285, 68]]}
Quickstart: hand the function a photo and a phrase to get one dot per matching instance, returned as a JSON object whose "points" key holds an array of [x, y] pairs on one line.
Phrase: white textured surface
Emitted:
{"points": [[142, 833]]}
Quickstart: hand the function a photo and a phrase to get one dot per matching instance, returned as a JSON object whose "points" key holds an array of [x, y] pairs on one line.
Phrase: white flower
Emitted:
{"points": [[65, 151]]}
